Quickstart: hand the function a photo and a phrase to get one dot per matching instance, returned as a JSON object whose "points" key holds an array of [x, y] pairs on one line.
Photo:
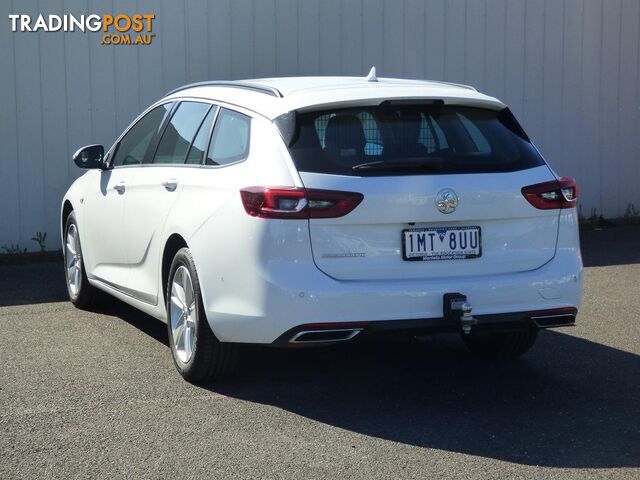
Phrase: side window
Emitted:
{"points": [[230, 139], [134, 144], [196, 151], [180, 132]]}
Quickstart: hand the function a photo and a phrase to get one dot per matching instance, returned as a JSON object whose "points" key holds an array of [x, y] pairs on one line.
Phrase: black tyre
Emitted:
{"points": [[197, 353], [501, 344], [81, 293]]}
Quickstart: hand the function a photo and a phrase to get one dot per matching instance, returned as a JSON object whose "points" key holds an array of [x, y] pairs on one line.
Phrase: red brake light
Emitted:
{"points": [[561, 193], [295, 202]]}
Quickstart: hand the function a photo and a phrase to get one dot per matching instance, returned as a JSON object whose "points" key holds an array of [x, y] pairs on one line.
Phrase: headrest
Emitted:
{"points": [[345, 136]]}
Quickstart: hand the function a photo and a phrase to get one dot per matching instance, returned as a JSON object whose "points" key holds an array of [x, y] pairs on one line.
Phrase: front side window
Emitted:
{"points": [[230, 139], [133, 146], [180, 132], [411, 139]]}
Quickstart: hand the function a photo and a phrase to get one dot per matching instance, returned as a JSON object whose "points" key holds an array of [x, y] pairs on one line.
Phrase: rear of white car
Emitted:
{"points": [[310, 211], [395, 214]]}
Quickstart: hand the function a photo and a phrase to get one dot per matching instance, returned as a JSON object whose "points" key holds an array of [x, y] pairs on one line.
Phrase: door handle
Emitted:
{"points": [[119, 187], [170, 184]]}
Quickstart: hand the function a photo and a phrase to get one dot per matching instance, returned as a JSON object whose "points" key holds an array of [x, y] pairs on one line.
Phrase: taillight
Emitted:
{"points": [[561, 193], [294, 202]]}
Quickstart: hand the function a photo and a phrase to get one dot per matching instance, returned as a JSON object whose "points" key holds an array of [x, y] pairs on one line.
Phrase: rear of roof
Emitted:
{"points": [[272, 97]]}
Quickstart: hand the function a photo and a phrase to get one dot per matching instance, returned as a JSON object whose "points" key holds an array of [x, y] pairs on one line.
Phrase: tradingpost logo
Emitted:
{"points": [[121, 29]]}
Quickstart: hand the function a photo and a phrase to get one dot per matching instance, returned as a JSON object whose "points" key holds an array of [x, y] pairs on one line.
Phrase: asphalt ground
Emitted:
{"points": [[95, 394]]}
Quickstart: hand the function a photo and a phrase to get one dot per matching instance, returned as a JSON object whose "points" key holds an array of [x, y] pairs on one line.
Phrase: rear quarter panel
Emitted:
{"points": [[227, 244]]}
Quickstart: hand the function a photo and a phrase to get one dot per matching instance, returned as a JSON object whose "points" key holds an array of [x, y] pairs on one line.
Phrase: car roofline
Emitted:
{"points": [[272, 97], [264, 87]]}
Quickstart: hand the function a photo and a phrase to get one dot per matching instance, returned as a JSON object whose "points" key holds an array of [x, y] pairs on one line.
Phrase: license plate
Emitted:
{"points": [[441, 243]]}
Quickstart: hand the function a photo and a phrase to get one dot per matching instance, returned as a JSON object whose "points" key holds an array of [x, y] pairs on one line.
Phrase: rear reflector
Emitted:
{"points": [[561, 193], [296, 202]]}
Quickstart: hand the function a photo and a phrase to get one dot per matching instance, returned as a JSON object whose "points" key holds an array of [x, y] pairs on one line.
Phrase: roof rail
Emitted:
{"points": [[256, 87]]}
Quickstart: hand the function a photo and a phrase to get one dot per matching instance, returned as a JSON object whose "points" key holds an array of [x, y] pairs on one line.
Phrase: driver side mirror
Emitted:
{"points": [[91, 156]]}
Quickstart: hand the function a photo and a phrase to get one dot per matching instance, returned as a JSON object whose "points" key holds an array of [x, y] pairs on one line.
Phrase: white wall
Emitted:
{"points": [[568, 68]]}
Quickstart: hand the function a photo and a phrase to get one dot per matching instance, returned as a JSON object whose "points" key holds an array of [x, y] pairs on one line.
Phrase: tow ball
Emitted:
{"points": [[458, 309]]}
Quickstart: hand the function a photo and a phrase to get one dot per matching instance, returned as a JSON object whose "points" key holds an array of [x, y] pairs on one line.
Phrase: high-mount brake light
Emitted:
{"points": [[561, 193], [296, 202]]}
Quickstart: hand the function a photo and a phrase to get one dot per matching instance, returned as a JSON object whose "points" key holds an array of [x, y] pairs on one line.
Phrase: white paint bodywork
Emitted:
{"points": [[259, 278]]}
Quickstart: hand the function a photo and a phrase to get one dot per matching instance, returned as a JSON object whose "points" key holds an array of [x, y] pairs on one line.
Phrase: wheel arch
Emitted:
{"points": [[67, 208], [174, 243]]}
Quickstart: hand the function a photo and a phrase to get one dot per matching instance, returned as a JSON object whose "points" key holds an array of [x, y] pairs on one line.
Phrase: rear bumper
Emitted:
{"points": [[318, 333], [284, 299]]}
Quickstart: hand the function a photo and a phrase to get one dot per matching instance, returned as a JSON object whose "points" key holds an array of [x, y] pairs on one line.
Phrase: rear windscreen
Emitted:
{"points": [[411, 139]]}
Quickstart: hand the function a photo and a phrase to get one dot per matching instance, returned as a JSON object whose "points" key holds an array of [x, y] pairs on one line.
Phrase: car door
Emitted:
{"points": [[155, 188], [105, 236]]}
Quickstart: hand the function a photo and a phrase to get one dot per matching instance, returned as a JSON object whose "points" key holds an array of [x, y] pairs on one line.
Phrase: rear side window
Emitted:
{"points": [[180, 132], [411, 139], [133, 146], [196, 151], [230, 139]]}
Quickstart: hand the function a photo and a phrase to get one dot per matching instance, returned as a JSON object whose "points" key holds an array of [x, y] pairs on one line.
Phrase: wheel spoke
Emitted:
{"points": [[76, 275], [71, 238], [70, 247], [187, 340], [178, 337], [177, 302], [177, 319], [70, 244], [74, 238], [188, 292], [178, 291]]}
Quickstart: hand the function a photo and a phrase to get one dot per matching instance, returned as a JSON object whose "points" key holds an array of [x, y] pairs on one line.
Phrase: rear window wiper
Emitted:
{"points": [[419, 164]]}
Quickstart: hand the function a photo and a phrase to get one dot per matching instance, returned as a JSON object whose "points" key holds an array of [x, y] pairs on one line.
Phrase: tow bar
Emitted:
{"points": [[458, 309]]}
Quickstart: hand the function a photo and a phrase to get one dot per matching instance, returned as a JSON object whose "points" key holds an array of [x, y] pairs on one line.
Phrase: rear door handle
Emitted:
{"points": [[170, 184], [119, 187]]}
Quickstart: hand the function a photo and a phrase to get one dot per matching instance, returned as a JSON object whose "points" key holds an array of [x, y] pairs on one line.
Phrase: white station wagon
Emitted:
{"points": [[315, 210]]}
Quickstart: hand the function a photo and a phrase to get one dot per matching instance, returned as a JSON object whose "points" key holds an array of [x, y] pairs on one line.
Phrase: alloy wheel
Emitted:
{"points": [[183, 314], [73, 260]]}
